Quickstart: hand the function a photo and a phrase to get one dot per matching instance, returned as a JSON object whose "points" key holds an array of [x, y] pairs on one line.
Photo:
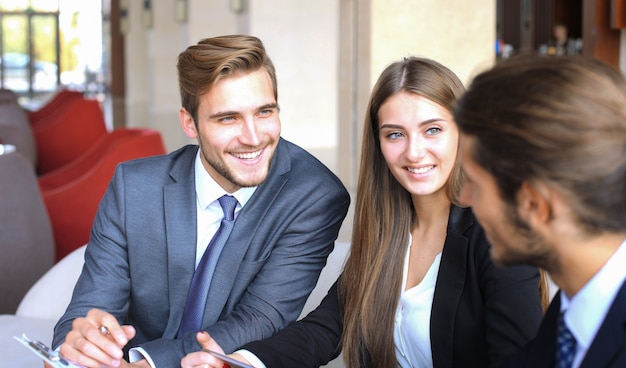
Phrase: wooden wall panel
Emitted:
{"points": [[599, 39], [618, 14]]}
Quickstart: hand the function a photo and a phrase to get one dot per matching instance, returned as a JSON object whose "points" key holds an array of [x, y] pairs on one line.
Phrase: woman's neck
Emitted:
{"points": [[431, 210]]}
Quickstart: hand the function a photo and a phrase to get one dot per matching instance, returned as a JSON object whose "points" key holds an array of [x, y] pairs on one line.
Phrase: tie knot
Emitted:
{"points": [[228, 204]]}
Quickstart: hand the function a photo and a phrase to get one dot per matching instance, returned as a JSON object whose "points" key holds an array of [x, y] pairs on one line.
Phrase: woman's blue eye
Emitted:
{"points": [[433, 130]]}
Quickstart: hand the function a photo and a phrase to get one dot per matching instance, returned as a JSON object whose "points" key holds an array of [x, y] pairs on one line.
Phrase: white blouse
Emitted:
{"points": [[412, 324]]}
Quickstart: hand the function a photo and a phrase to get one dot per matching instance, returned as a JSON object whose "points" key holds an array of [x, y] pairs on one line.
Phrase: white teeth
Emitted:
{"points": [[420, 170], [247, 156]]}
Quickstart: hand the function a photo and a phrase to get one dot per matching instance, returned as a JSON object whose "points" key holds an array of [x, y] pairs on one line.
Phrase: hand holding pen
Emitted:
{"points": [[97, 340]]}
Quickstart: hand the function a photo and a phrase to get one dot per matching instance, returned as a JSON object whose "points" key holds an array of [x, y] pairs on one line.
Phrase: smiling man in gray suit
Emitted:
{"points": [[159, 215]]}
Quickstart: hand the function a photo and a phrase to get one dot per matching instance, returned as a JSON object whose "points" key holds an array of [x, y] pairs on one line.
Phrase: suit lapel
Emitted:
{"points": [[243, 233], [611, 337], [179, 199], [606, 348], [452, 273], [542, 352]]}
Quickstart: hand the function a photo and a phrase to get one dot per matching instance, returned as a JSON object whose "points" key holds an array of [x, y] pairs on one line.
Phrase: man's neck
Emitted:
{"points": [[578, 261]]}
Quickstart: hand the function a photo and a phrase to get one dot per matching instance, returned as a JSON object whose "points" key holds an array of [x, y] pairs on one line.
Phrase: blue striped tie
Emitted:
{"points": [[199, 289]]}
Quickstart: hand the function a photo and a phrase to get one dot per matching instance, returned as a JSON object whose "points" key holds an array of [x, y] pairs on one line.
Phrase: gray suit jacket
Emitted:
{"points": [[140, 259]]}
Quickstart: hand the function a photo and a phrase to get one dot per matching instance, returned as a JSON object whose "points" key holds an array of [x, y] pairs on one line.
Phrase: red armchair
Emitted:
{"points": [[58, 101], [72, 194], [67, 133]]}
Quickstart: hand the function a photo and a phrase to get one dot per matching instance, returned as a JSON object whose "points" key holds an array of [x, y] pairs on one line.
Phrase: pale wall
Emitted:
{"points": [[152, 95], [301, 37], [458, 34]]}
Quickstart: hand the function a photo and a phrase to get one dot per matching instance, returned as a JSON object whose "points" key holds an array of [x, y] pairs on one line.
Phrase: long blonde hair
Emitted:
{"points": [[370, 285]]}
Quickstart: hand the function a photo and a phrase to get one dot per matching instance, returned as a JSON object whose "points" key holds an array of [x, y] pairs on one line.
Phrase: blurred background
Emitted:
{"points": [[328, 53], [48, 44]]}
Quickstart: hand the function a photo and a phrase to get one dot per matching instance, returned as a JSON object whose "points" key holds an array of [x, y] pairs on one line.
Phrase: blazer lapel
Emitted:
{"points": [[611, 337], [445, 302], [243, 233], [181, 233]]}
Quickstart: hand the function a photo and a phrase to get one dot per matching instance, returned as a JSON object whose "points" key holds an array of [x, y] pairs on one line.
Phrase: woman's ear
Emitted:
{"points": [[188, 124]]}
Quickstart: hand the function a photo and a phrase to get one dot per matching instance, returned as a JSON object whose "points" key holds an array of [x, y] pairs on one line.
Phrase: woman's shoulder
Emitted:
{"points": [[463, 222]]}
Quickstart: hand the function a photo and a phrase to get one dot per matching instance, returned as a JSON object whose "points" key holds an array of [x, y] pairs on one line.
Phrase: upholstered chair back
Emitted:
{"points": [[26, 241], [15, 129]]}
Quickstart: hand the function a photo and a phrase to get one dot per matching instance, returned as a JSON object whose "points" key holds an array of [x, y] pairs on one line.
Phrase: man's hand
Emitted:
{"points": [[204, 359], [97, 340]]}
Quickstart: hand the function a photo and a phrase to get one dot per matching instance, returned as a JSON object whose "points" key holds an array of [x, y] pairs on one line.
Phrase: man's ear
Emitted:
{"points": [[535, 204], [188, 124]]}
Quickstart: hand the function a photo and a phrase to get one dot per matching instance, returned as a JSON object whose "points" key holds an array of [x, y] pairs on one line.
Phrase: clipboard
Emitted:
{"points": [[44, 352], [57, 361]]}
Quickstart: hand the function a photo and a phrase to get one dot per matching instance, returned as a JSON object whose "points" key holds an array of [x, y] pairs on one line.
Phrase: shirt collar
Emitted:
{"points": [[585, 312], [208, 190]]}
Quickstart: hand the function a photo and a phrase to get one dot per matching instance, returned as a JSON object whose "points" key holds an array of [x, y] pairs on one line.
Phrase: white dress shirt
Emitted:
{"points": [[208, 209], [585, 312]]}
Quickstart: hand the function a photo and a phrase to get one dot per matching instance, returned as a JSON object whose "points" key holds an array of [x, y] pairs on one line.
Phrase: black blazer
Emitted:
{"points": [[480, 313], [608, 348]]}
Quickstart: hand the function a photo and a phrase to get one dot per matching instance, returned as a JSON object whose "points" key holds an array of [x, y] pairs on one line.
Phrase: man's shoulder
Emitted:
{"points": [[298, 153], [159, 169], [305, 165], [184, 155]]}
